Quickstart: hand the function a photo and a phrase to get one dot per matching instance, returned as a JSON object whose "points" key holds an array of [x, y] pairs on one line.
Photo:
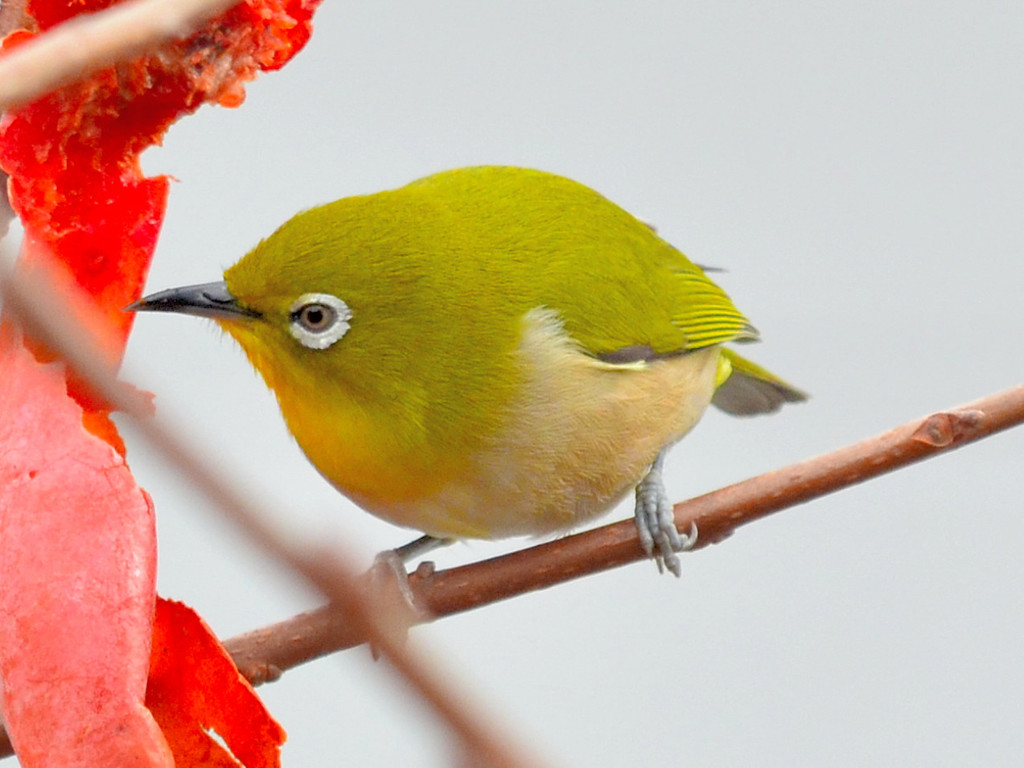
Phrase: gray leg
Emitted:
{"points": [[419, 547], [655, 523]]}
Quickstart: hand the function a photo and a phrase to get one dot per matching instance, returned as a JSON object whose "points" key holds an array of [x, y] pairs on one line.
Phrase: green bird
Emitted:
{"points": [[487, 352]]}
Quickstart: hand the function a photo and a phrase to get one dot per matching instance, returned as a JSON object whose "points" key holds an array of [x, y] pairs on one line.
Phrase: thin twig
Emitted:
{"points": [[262, 655], [78, 47]]}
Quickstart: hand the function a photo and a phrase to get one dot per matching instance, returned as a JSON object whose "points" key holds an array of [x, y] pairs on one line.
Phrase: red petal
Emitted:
{"points": [[76, 573], [194, 688]]}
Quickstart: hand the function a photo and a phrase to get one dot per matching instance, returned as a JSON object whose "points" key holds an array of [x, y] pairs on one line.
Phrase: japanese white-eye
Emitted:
{"points": [[487, 352]]}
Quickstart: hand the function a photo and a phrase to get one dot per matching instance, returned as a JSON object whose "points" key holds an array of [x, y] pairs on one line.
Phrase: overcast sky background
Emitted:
{"points": [[859, 170]]}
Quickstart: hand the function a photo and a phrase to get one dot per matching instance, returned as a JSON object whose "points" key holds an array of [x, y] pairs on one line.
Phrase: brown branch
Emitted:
{"points": [[262, 655], [86, 43]]}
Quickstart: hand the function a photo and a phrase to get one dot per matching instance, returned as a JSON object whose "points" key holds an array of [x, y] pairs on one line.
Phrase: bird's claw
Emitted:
{"points": [[655, 523], [397, 600], [388, 572]]}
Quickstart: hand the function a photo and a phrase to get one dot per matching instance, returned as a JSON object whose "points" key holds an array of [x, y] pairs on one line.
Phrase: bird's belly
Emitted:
{"points": [[582, 435]]}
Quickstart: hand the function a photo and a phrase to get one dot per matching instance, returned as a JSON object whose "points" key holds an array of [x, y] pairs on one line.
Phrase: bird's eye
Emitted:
{"points": [[317, 320]]}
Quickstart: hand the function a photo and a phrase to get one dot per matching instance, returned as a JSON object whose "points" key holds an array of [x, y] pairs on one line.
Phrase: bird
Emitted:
{"points": [[487, 352]]}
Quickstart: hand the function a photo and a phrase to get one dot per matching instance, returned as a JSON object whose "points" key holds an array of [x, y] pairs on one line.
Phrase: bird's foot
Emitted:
{"points": [[655, 522], [389, 584]]}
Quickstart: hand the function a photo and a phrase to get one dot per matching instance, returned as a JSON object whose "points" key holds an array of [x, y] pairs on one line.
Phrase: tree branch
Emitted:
{"points": [[262, 655]]}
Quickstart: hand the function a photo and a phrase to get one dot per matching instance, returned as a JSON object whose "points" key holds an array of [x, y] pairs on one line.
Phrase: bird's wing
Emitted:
{"points": [[705, 314]]}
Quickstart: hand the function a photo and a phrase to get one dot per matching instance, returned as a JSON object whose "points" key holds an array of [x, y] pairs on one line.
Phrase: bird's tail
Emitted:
{"points": [[747, 389]]}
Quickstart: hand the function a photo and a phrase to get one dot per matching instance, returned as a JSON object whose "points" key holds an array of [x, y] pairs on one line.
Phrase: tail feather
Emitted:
{"points": [[750, 389]]}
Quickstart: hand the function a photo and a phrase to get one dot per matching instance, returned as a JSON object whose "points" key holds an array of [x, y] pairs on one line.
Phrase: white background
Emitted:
{"points": [[859, 170]]}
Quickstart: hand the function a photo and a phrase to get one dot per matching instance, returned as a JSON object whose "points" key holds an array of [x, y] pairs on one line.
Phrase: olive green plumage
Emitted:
{"points": [[440, 272]]}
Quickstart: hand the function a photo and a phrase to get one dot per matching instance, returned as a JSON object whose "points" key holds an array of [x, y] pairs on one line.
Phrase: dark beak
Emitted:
{"points": [[206, 300]]}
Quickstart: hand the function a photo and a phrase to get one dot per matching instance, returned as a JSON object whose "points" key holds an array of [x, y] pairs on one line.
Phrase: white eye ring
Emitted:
{"points": [[317, 320]]}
